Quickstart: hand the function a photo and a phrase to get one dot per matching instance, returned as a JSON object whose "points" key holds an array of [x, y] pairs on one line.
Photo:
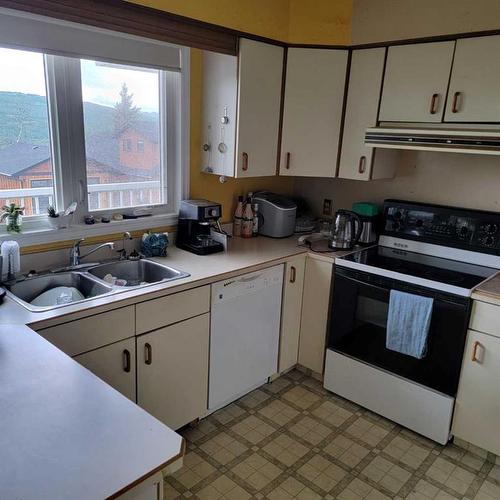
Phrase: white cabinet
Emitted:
{"points": [[86, 334], [474, 94], [312, 115], [172, 371], [150, 489], [416, 82], [115, 364], [241, 110], [477, 407], [291, 310], [315, 303], [358, 161]]}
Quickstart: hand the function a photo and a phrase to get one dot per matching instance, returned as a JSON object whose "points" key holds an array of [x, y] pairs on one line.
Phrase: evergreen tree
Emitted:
{"points": [[126, 113]]}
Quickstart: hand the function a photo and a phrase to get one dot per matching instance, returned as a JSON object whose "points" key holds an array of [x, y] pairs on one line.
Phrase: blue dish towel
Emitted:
{"points": [[408, 323]]}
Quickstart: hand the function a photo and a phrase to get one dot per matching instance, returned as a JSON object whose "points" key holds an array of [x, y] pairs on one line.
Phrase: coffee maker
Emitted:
{"points": [[196, 217]]}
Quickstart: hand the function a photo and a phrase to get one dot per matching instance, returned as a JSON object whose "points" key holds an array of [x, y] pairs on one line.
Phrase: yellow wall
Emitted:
{"points": [[317, 21], [326, 22]]}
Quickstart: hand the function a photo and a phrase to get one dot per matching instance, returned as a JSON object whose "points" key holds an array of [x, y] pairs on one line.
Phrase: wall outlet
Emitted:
{"points": [[327, 207]]}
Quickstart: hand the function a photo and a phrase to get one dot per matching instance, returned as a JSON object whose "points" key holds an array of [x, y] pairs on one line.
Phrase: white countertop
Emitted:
{"points": [[243, 255], [66, 434], [488, 291]]}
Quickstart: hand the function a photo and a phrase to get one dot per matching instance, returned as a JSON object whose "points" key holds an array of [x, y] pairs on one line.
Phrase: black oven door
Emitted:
{"points": [[358, 320]]}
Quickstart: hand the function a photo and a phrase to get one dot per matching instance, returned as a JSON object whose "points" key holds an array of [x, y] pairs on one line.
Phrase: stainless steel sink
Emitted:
{"points": [[137, 272], [25, 291]]}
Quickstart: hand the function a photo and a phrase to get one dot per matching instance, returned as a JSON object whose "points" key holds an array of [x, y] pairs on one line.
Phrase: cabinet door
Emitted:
{"points": [[172, 371], [477, 406], [259, 100], [416, 80], [363, 96], [314, 97], [315, 303], [115, 364], [291, 309], [474, 94]]}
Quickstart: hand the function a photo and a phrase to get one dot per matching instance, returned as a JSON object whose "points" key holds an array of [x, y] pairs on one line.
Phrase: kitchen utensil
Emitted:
{"points": [[368, 213], [344, 232]]}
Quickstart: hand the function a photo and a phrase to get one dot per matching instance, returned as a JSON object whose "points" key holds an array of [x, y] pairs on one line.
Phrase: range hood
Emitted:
{"points": [[485, 142]]}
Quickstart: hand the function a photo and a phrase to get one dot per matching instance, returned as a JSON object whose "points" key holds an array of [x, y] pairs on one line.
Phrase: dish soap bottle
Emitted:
{"points": [[247, 223], [238, 217]]}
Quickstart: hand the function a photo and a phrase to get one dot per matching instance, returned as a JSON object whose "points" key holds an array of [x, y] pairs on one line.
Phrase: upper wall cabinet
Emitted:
{"points": [[474, 94], [312, 115], [241, 110], [416, 81], [358, 161]]}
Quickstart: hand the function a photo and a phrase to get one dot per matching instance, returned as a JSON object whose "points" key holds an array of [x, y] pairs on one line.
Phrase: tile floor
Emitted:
{"points": [[292, 439]]}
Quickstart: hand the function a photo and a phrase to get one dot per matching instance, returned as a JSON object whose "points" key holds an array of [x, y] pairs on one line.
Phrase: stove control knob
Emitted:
{"points": [[464, 230], [488, 241], [398, 215], [490, 228], [396, 226]]}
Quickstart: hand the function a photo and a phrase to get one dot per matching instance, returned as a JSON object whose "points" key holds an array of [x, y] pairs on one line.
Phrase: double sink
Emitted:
{"points": [[91, 283]]}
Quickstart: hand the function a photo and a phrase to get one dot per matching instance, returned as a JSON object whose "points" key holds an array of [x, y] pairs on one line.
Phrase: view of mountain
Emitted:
{"points": [[23, 118]]}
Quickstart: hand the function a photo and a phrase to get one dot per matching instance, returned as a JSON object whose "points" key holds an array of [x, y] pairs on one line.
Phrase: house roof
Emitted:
{"points": [[20, 155], [149, 129]]}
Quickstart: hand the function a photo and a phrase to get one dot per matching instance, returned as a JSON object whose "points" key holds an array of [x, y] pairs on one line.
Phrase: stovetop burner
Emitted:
{"points": [[449, 272]]}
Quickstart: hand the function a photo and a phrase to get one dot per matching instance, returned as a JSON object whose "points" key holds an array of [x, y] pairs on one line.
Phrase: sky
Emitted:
{"points": [[23, 71]]}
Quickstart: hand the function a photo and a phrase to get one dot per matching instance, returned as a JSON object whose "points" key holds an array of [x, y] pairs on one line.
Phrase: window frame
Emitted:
{"points": [[66, 124]]}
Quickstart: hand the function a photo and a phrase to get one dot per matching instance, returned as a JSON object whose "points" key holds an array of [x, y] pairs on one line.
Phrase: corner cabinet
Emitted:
{"points": [[475, 81], [416, 82], [312, 114], [477, 407], [241, 110], [358, 161], [291, 311], [315, 313]]}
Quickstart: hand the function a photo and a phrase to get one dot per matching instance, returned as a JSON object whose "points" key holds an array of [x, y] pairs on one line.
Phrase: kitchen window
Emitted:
{"points": [[101, 124]]}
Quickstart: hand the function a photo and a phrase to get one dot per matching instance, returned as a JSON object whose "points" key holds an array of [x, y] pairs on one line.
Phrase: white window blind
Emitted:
{"points": [[52, 36]]}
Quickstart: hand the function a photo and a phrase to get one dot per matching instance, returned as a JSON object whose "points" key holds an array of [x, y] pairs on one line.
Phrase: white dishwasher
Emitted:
{"points": [[244, 334]]}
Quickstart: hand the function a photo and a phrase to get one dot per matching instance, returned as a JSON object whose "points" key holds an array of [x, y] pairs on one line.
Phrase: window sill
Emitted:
{"points": [[33, 234]]}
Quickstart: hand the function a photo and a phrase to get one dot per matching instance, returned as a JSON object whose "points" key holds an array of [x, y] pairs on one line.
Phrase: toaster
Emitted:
{"points": [[276, 214]]}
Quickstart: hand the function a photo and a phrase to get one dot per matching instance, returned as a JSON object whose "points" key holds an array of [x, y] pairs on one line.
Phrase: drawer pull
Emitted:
{"points": [[287, 162], [293, 274], [456, 102], [126, 360], [244, 167], [434, 104], [148, 354], [362, 165], [474, 352]]}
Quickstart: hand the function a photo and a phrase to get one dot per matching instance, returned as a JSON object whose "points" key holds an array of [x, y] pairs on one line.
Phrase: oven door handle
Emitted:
{"points": [[388, 289]]}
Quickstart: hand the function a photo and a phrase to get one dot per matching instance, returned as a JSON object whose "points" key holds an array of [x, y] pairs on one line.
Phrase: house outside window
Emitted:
{"points": [[44, 161]]}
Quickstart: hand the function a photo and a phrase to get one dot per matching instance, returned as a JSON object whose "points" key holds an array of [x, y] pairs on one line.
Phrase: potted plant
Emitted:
{"points": [[12, 215], [53, 216]]}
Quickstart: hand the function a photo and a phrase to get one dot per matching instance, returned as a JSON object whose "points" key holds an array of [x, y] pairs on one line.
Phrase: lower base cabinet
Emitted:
{"points": [[172, 371], [477, 408], [314, 321], [115, 364]]}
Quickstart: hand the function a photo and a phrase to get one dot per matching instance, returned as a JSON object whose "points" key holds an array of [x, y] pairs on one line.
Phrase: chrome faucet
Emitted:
{"points": [[123, 252], [75, 255]]}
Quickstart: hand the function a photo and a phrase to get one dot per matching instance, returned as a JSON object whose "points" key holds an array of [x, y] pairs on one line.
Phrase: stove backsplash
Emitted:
{"points": [[442, 178]]}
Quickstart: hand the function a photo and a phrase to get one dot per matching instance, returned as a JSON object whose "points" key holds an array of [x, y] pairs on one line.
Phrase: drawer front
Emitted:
{"points": [[158, 313], [485, 318], [85, 334]]}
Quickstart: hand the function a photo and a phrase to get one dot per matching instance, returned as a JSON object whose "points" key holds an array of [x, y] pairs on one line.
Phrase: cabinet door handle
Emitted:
{"points": [[434, 104], [148, 354], [244, 167], [362, 165], [287, 161], [456, 102], [293, 274], [126, 360], [474, 352]]}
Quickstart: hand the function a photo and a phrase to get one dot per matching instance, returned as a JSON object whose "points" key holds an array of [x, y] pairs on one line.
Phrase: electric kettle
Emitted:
{"points": [[346, 230]]}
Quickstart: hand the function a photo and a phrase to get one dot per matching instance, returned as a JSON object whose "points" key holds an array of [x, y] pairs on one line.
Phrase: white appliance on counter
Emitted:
{"points": [[244, 334]]}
